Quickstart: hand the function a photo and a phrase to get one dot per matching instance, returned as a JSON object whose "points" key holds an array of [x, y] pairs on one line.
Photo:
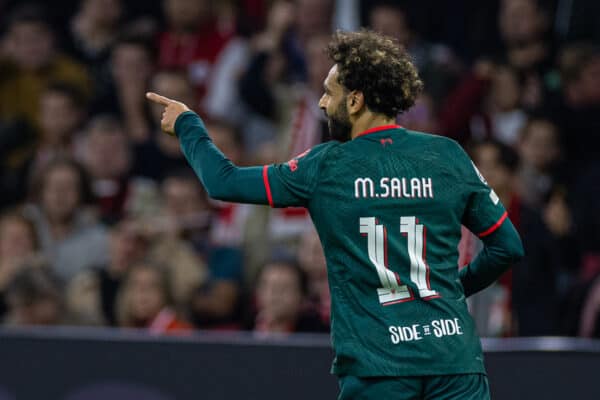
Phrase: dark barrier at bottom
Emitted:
{"points": [[101, 365]]}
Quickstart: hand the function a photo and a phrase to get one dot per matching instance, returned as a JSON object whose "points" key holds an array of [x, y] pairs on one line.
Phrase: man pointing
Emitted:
{"points": [[400, 324]]}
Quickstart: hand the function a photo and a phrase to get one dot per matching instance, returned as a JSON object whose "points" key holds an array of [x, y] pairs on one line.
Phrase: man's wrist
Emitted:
{"points": [[180, 119]]}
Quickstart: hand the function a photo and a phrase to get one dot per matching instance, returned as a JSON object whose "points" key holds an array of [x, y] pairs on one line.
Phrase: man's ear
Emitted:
{"points": [[355, 101]]}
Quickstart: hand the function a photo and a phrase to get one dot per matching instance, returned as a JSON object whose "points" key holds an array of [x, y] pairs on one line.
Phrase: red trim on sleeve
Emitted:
{"points": [[493, 228], [378, 129], [267, 185]]}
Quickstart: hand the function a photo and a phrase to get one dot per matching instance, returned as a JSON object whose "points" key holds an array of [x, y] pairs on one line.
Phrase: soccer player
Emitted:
{"points": [[388, 204]]}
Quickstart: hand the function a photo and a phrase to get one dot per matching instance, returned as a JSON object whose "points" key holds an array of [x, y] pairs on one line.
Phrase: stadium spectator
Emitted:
{"points": [[278, 61], [540, 156], [307, 126], [280, 301], [179, 235], [487, 104], [311, 260], [193, 39], [34, 298], [578, 116], [106, 154], [543, 280], [132, 63], [145, 301], [92, 31], [185, 210], [70, 237], [222, 100], [159, 154], [33, 61], [264, 74], [18, 245], [527, 300], [524, 27], [91, 294], [62, 110], [438, 66], [580, 71], [313, 17]]}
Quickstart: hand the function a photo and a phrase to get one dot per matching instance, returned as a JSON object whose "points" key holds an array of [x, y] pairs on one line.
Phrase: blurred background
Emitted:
{"points": [[104, 224]]}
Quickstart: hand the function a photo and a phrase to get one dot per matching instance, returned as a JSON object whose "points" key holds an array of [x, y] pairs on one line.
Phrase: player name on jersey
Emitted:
{"points": [[394, 188]]}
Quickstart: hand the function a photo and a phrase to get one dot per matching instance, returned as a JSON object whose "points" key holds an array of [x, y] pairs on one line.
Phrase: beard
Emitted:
{"points": [[339, 124]]}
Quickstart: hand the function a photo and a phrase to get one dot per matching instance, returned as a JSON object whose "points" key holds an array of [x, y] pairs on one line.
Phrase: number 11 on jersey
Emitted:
{"points": [[392, 290]]}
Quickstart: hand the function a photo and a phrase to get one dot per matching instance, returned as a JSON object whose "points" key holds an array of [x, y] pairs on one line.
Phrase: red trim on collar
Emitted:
{"points": [[378, 129]]}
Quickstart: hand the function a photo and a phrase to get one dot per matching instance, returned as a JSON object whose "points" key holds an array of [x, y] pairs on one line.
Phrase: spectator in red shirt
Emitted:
{"points": [[193, 39]]}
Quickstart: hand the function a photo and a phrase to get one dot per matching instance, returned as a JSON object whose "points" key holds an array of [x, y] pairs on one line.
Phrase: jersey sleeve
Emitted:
{"points": [[221, 178], [293, 183], [484, 213]]}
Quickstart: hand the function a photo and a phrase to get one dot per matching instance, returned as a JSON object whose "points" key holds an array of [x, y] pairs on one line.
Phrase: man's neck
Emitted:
{"points": [[369, 121]]}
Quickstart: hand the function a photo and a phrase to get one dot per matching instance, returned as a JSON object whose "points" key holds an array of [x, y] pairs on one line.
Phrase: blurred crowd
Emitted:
{"points": [[102, 223]]}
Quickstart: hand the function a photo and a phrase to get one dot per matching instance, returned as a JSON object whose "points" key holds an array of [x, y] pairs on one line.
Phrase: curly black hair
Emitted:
{"points": [[377, 66]]}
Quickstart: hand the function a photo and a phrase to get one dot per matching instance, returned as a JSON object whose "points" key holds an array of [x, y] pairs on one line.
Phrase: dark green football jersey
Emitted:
{"points": [[388, 207]]}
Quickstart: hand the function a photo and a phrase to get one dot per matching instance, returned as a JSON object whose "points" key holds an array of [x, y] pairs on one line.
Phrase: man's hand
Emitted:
{"points": [[172, 110]]}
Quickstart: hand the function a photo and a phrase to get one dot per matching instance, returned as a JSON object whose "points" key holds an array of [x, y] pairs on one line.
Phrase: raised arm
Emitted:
{"points": [[221, 178]]}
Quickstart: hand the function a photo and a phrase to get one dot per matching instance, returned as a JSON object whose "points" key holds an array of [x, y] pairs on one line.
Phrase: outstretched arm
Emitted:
{"points": [[221, 178]]}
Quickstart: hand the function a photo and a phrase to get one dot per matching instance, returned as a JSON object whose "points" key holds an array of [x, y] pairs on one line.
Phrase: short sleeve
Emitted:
{"points": [[292, 184], [484, 212]]}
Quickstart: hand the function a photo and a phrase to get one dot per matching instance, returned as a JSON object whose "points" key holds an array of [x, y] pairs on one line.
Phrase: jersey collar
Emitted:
{"points": [[378, 129]]}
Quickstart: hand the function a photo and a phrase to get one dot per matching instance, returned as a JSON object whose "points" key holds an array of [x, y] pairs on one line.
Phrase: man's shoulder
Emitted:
{"points": [[319, 150], [312, 157], [432, 139], [432, 146]]}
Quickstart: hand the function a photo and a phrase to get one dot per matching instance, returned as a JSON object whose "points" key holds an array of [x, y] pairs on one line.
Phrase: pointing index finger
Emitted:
{"points": [[157, 98]]}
